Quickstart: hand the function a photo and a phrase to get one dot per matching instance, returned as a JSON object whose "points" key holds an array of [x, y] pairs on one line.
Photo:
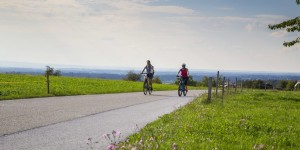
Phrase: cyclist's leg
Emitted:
{"points": [[186, 83], [150, 76], [151, 83]]}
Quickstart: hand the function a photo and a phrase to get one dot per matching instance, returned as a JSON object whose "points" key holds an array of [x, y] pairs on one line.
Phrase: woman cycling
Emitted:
{"points": [[150, 72], [184, 75]]}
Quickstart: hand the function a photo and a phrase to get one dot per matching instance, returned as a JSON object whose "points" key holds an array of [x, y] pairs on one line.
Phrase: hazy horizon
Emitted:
{"points": [[31, 65]]}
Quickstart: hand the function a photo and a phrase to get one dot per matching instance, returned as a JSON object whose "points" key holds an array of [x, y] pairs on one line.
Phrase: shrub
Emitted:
{"points": [[131, 76], [156, 80]]}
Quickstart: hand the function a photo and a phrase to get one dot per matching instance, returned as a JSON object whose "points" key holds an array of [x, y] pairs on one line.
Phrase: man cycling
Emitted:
{"points": [[184, 75], [150, 72]]}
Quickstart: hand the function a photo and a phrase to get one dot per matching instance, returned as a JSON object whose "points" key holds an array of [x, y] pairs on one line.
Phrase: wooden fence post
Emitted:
{"points": [[217, 83], [241, 85], [223, 85], [209, 88], [235, 84], [265, 86], [228, 86], [48, 82]]}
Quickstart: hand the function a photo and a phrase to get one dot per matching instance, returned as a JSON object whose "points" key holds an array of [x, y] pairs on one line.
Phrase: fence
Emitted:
{"points": [[239, 85]]}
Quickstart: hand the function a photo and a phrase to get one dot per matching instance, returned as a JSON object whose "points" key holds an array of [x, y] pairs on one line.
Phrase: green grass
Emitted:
{"points": [[247, 120], [29, 86]]}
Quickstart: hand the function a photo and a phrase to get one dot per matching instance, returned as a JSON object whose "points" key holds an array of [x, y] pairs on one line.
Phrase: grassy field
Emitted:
{"points": [[29, 86], [248, 120]]}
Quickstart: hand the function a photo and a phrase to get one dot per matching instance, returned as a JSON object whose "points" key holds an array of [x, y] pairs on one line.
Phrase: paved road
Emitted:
{"points": [[67, 122]]}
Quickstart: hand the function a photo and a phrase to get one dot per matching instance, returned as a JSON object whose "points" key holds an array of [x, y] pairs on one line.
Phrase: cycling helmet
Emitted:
{"points": [[183, 65]]}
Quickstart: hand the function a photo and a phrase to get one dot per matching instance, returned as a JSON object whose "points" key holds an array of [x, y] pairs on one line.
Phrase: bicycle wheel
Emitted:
{"points": [[145, 87], [150, 90], [179, 91]]}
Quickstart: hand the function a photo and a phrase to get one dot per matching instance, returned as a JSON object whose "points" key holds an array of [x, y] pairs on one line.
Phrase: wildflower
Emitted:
{"points": [[152, 139], [111, 147], [175, 146], [116, 133], [134, 148]]}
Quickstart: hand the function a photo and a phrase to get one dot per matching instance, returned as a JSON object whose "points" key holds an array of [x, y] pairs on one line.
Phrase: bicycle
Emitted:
{"points": [[146, 87], [181, 87]]}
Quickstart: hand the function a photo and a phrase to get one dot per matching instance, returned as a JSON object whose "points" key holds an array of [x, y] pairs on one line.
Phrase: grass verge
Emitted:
{"points": [[247, 120], [30, 86]]}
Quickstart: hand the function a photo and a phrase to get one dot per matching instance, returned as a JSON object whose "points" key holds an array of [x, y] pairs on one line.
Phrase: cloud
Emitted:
{"points": [[249, 27], [280, 33]]}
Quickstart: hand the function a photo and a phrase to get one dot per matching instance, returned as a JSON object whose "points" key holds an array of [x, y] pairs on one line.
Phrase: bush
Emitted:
{"points": [[290, 85], [131, 76], [52, 72], [283, 84], [156, 80]]}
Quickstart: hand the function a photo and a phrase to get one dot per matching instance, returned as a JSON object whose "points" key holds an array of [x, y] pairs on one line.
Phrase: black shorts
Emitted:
{"points": [[185, 80], [150, 75]]}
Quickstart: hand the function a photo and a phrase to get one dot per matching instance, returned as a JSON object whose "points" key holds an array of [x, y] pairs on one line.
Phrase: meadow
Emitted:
{"points": [[245, 120], [14, 86]]}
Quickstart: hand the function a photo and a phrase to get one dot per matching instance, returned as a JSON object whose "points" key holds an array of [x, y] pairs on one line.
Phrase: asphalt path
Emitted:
{"points": [[68, 122]]}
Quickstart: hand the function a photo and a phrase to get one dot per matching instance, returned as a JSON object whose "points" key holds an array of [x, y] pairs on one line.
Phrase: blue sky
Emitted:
{"points": [[205, 34]]}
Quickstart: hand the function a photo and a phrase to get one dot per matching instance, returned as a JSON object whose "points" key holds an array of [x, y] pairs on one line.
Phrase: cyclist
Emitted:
{"points": [[184, 75], [150, 72]]}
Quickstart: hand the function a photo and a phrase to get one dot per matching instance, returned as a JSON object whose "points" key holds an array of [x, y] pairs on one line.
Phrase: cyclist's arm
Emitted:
{"points": [[178, 72], [188, 73], [143, 70], [153, 69]]}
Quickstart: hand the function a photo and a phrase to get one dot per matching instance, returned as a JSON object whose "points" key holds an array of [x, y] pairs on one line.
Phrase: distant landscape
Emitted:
{"points": [[167, 76]]}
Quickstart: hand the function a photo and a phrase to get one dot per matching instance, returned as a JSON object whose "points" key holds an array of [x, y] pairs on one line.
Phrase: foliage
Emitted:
{"points": [[248, 120], [52, 72], [291, 25], [204, 81], [283, 84], [290, 85], [131, 76], [156, 80], [28, 86]]}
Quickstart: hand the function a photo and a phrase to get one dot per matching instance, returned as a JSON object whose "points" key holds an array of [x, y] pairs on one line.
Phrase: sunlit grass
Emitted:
{"points": [[247, 120], [29, 86]]}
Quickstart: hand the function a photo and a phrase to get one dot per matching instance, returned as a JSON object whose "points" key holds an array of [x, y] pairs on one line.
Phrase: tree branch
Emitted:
{"points": [[285, 24], [289, 44]]}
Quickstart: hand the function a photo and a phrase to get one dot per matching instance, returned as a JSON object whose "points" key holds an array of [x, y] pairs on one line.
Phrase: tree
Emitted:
{"points": [[156, 80], [283, 84], [291, 25], [52, 72], [57, 73], [131, 76], [290, 85]]}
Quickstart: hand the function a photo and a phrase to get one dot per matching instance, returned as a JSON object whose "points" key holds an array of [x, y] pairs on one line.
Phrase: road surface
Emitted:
{"points": [[67, 122]]}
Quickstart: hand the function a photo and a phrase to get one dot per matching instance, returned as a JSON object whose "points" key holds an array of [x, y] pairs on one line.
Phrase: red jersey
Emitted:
{"points": [[184, 72]]}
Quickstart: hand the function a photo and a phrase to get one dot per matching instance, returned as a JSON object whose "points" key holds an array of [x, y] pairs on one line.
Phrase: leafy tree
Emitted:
{"points": [[52, 72], [204, 81], [156, 80], [290, 85], [131, 76], [291, 25], [57, 73], [283, 84]]}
